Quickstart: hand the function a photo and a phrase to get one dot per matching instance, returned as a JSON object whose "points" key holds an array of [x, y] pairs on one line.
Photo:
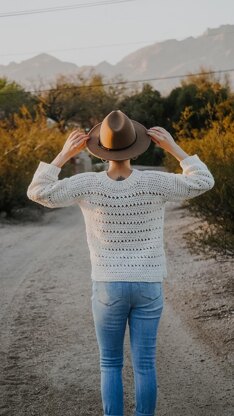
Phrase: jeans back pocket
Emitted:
{"points": [[107, 293], [150, 290]]}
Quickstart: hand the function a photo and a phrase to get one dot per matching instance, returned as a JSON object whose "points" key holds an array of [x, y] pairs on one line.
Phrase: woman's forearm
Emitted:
{"points": [[60, 159], [176, 151], [164, 139]]}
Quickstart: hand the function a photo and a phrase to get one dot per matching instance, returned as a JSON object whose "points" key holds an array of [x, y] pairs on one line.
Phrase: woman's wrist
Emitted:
{"points": [[178, 152], [60, 159]]}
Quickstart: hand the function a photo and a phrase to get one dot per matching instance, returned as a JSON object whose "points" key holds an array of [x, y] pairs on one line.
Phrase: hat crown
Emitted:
{"points": [[118, 137], [117, 131]]}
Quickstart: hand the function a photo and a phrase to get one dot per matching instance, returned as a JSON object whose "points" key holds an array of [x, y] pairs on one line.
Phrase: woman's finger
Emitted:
{"points": [[79, 137], [154, 129], [74, 133], [158, 129], [156, 133], [79, 143]]}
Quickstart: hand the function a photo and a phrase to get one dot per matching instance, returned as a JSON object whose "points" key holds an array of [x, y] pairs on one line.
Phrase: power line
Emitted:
{"points": [[79, 48], [119, 82], [149, 42], [62, 8]]}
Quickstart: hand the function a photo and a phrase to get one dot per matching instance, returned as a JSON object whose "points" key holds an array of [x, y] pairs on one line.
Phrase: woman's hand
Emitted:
{"points": [[162, 138], [75, 142]]}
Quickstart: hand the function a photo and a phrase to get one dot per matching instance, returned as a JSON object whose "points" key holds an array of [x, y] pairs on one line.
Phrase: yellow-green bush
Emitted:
{"points": [[216, 149], [21, 149]]}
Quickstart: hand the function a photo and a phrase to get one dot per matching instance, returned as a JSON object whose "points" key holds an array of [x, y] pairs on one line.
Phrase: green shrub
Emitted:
{"points": [[216, 149], [21, 150]]}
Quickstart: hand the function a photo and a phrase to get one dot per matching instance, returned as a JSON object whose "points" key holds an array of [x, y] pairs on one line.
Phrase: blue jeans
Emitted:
{"points": [[141, 304]]}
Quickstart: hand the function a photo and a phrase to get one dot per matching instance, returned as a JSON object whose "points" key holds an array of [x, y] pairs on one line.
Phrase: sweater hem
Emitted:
{"points": [[128, 279]]}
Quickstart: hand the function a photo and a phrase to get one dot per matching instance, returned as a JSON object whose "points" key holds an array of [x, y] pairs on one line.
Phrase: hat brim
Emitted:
{"points": [[141, 144]]}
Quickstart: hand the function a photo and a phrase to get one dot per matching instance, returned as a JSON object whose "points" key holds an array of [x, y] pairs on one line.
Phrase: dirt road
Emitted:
{"points": [[49, 356]]}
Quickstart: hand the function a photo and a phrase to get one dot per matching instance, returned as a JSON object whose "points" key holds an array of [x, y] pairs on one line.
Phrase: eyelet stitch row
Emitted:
{"points": [[124, 219]]}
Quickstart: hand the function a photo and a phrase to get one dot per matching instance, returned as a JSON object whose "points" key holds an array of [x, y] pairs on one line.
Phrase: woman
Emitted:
{"points": [[123, 210]]}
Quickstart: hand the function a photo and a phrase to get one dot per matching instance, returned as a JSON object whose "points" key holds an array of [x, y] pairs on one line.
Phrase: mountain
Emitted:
{"points": [[39, 69], [214, 50]]}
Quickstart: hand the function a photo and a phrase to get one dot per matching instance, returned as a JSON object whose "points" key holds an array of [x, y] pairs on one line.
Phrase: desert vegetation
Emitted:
{"points": [[199, 114]]}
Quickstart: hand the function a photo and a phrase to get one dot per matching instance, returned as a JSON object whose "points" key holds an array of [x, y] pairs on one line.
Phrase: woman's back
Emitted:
{"points": [[124, 219], [124, 225]]}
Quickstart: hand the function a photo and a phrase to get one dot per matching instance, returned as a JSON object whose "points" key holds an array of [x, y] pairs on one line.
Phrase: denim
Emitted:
{"points": [[140, 304]]}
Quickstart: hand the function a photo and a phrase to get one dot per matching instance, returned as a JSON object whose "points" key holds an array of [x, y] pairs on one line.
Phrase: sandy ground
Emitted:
{"points": [[49, 362]]}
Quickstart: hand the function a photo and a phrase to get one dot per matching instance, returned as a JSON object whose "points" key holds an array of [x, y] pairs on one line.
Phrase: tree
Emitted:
{"points": [[197, 103], [13, 97], [81, 100], [145, 106]]}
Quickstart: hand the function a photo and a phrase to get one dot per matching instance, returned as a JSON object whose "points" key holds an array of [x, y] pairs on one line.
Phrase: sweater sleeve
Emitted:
{"points": [[195, 180], [46, 189]]}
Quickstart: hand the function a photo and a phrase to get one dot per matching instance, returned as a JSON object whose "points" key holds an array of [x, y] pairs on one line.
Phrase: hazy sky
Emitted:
{"points": [[132, 24]]}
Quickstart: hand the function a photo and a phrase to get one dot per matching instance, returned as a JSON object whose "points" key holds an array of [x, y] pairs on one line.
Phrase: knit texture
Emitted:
{"points": [[124, 219]]}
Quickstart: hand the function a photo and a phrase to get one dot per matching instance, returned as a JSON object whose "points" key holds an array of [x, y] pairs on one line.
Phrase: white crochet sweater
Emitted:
{"points": [[124, 219]]}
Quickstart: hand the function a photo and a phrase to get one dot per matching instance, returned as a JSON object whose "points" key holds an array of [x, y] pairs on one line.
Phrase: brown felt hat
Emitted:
{"points": [[117, 137]]}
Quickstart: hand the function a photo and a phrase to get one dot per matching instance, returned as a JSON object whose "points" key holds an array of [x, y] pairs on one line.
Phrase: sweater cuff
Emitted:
{"points": [[48, 168], [189, 160]]}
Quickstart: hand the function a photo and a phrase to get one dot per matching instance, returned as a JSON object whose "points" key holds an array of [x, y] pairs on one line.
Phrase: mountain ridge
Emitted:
{"points": [[213, 49]]}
